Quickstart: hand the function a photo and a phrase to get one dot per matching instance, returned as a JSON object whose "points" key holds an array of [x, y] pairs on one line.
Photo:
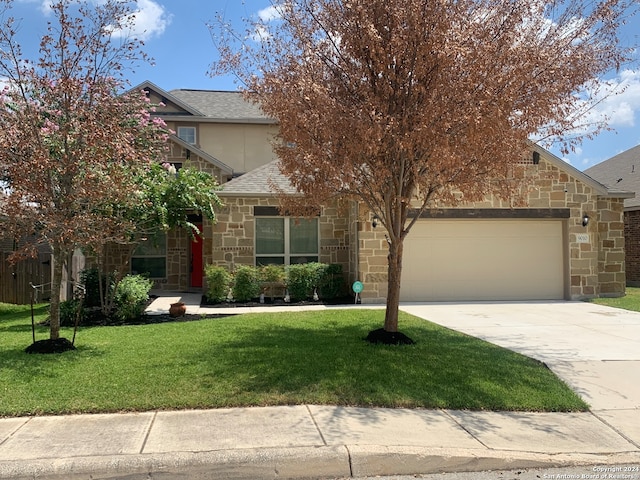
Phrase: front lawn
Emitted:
{"points": [[267, 359], [631, 300]]}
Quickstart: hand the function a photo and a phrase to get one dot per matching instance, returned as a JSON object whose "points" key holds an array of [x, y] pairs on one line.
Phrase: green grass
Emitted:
{"points": [[631, 300], [267, 359]]}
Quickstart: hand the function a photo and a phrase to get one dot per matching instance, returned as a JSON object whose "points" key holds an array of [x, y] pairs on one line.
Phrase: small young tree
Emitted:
{"points": [[70, 139], [404, 105]]}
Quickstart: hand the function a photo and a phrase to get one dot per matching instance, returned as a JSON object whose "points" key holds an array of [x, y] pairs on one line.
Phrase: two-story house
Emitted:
{"points": [[567, 244]]}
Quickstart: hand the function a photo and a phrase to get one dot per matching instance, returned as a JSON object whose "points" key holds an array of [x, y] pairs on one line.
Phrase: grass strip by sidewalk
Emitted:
{"points": [[631, 300], [267, 359]]}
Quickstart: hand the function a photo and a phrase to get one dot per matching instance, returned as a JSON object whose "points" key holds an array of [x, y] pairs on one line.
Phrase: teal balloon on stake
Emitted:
{"points": [[357, 287]]}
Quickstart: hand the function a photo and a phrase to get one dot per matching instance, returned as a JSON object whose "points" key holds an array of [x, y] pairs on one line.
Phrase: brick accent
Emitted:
{"points": [[632, 240]]}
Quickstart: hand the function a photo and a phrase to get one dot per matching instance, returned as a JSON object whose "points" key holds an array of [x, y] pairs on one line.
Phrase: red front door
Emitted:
{"points": [[197, 269]]}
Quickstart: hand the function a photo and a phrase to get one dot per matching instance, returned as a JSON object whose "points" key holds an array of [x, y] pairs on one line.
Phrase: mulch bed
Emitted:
{"points": [[58, 345], [97, 319], [277, 302], [388, 338]]}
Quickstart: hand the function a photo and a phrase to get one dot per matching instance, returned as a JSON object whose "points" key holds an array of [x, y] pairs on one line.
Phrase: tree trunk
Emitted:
{"points": [[56, 283], [393, 288]]}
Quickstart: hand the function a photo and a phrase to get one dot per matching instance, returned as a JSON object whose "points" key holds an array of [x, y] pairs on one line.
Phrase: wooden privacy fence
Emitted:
{"points": [[15, 280]]}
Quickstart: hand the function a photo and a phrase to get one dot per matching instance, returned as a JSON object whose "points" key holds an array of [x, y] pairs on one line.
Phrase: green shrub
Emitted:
{"points": [[131, 296], [331, 283], [246, 283], [272, 273], [218, 283], [327, 280], [90, 279], [302, 279], [69, 312]]}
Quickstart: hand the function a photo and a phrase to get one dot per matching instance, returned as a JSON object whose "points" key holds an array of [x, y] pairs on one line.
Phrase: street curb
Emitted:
{"points": [[369, 461], [297, 463]]}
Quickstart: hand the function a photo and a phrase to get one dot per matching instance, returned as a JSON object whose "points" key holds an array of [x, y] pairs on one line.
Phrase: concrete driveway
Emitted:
{"points": [[594, 349]]}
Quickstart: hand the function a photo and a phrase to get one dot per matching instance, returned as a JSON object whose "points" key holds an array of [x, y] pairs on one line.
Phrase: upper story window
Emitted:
{"points": [[188, 134]]}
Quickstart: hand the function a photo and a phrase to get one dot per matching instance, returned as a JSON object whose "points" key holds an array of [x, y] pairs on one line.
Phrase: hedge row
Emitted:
{"points": [[301, 281]]}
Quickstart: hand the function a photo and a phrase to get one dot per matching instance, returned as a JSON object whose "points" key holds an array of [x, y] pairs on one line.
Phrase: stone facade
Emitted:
{"points": [[595, 263], [594, 255], [610, 249], [233, 235], [178, 240]]}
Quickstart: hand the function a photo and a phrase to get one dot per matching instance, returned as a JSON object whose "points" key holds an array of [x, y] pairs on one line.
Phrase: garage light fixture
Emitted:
{"points": [[375, 221], [536, 158], [585, 220]]}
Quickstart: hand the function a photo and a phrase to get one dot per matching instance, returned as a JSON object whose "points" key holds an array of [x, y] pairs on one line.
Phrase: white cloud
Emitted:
{"points": [[269, 14], [260, 34], [151, 20], [622, 107], [618, 101], [45, 5], [265, 16]]}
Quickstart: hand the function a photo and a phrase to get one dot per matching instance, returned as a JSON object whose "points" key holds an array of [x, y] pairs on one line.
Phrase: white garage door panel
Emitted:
{"points": [[483, 260]]}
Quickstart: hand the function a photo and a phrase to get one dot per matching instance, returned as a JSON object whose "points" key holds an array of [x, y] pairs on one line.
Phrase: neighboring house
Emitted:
{"points": [[623, 172]]}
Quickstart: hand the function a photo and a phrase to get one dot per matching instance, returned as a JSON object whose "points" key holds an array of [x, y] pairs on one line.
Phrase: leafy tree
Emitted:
{"points": [[163, 200], [69, 139], [165, 197], [405, 105]]}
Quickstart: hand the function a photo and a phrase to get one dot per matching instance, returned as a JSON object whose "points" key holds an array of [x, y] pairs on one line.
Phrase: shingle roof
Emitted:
{"points": [[621, 172], [221, 105], [259, 182]]}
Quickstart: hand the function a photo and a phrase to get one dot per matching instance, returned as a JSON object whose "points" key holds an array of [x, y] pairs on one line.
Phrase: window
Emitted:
{"points": [[285, 240], [150, 257], [188, 134]]}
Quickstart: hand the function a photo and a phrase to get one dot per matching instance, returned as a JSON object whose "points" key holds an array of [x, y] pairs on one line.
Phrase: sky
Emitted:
{"points": [[177, 38]]}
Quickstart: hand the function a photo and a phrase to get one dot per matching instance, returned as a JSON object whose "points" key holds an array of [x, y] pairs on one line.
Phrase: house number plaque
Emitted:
{"points": [[582, 238]]}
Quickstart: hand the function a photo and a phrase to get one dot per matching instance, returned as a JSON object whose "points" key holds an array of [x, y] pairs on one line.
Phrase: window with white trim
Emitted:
{"points": [[150, 257], [188, 134], [286, 240]]}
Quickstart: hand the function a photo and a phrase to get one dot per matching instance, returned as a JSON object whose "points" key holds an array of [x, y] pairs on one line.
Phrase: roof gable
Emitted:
{"points": [[600, 188], [259, 182], [222, 106], [622, 172], [168, 104]]}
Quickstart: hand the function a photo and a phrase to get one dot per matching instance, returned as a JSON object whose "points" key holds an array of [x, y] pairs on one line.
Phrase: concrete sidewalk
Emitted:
{"points": [[305, 441], [311, 441]]}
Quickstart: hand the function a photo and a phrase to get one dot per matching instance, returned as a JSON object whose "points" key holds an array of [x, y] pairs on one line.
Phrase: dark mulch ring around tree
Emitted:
{"points": [[58, 345], [388, 338]]}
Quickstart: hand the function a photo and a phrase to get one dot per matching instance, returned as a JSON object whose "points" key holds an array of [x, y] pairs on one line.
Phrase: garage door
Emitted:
{"points": [[483, 260]]}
